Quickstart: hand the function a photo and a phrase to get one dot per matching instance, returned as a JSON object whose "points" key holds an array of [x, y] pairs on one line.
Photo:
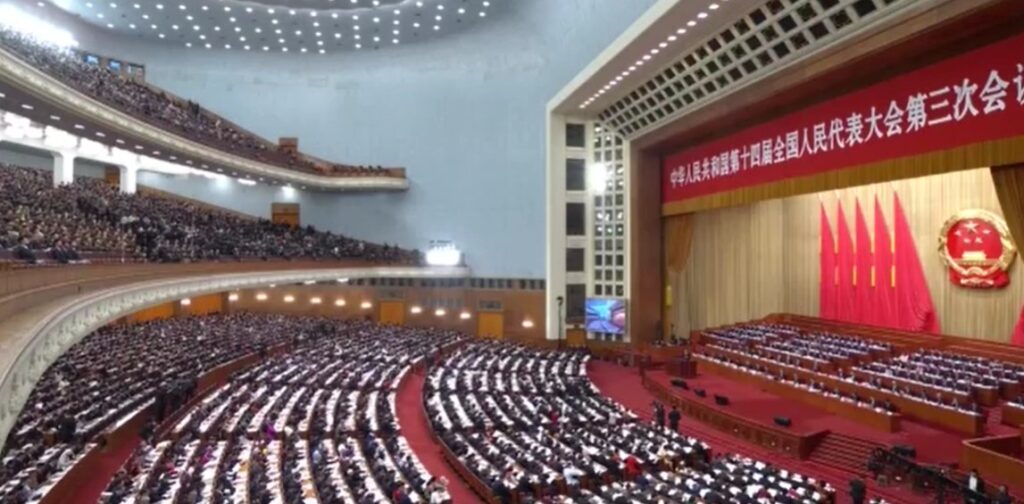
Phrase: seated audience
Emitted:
{"points": [[531, 427], [161, 109], [91, 218]]}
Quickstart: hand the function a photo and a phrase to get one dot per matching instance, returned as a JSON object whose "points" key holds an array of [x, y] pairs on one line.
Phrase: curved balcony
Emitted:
{"points": [[44, 312], [43, 99]]}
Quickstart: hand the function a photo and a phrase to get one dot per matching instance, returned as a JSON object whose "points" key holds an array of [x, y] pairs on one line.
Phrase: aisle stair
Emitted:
{"points": [[844, 452]]}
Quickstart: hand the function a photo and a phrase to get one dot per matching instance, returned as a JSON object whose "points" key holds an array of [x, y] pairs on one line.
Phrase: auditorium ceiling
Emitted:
{"points": [[285, 26]]}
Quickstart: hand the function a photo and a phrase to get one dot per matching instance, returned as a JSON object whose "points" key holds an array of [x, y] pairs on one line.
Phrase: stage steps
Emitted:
{"points": [[844, 452]]}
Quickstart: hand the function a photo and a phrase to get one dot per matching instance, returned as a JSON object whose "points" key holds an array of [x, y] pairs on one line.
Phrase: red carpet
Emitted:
{"points": [[623, 385], [104, 470], [413, 423]]}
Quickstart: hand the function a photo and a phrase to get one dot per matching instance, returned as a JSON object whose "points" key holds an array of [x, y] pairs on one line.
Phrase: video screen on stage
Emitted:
{"points": [[606, 315]]}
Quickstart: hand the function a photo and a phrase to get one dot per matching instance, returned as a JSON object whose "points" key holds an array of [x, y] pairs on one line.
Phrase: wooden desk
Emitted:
{"points": [[917, 388], [869, 417], [1013, 415], [776, 439], [1010, 391], [682, 368], [805, 362], [955, 420]]}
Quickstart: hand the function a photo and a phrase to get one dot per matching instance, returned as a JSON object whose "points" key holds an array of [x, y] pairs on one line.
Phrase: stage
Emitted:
{"points": [[933, 445]]}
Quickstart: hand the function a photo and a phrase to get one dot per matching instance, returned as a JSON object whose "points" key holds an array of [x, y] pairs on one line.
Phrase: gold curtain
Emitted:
{"points": [[678, 237], [1009, 184]]}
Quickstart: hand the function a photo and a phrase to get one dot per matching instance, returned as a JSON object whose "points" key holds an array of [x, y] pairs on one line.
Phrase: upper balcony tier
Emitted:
{"points": [[53, 87]]}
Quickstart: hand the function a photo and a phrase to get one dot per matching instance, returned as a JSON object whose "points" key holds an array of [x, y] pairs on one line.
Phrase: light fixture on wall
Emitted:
{"points": [[261, 296], [527, 324], [416, 310], [465, 315], [339, 302], [315, 300], [186, 302], [233, 297], [289, 298], [440, 312], [366, 305], [443, 253], [597, 178]]}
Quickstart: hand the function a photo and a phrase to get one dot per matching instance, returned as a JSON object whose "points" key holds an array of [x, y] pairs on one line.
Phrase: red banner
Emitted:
{"points": [[971, 98]]}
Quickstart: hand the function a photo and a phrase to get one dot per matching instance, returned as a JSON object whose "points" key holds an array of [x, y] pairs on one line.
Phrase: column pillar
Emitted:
{"points": [[63, 168], [129, 176]]}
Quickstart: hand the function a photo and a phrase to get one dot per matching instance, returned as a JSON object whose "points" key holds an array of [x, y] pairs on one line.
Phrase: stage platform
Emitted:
{"points": [[933, 445]]}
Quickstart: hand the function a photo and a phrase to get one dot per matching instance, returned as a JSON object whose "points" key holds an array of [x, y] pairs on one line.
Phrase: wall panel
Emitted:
{"points": [[749, 261]]}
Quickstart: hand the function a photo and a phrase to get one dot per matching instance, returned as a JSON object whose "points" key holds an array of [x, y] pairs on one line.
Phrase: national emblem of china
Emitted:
{"points": [[976, 246]]}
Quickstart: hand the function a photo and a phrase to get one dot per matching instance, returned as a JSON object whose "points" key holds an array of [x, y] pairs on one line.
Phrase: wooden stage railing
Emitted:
{"points": [[997, 459], [769, 437]]}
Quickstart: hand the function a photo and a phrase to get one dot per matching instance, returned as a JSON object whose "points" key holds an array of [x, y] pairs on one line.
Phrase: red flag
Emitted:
{"points": [[885, 279], [913, 300], [1018, 331], [827, 287], [864, 278], [846, 297]]}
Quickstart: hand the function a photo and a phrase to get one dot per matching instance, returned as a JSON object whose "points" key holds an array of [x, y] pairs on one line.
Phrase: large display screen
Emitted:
{"points": [[606, 315]]}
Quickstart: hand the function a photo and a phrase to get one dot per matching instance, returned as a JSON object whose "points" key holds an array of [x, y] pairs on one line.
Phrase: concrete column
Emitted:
{"points": [[63, 168], [555, 227], [129, 177]]}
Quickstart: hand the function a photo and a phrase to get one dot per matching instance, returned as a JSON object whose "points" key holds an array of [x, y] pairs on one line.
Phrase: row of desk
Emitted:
{"points": [[875, 419], [958, 421], [1013, 415], [914, 387]]}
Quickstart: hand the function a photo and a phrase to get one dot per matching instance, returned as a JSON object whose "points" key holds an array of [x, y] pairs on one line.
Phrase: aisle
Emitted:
{"points": [[103, 471], [412, 422]]}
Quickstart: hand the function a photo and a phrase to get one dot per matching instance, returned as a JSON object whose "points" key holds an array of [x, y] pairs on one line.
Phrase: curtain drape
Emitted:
{"points": [[678, 238], [1009, 184]]}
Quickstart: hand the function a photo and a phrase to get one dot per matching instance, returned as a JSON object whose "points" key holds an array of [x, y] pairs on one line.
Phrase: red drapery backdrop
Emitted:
{"points": [[864, 285], [846, 297], [827, 308], [913, 300], [885, 276], [881, 281]]}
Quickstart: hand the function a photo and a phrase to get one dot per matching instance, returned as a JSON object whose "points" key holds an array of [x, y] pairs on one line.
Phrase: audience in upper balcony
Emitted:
{"points": [[161, 109], [69, 223]]}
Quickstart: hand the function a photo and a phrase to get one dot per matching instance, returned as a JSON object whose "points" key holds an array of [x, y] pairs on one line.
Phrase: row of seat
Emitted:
{"points": [[315, 424], [75, 222], [553, 437]]}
